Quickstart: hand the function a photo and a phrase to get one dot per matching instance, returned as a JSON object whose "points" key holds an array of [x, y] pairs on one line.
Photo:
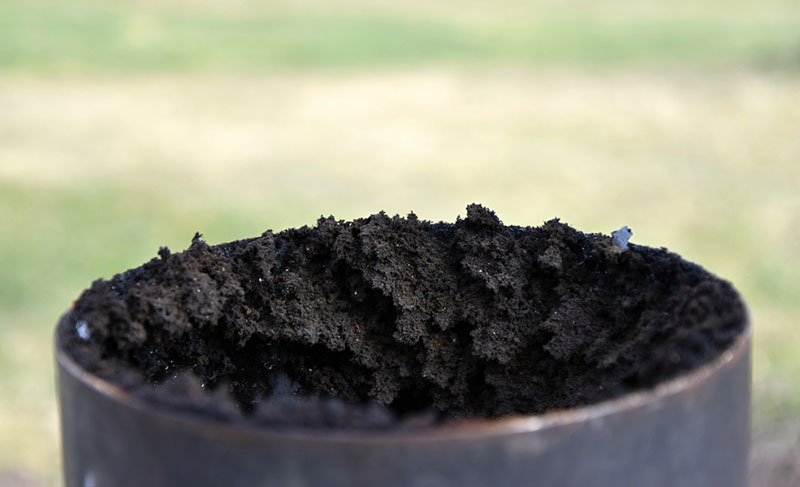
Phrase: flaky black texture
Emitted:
{"points": [[371, 322]]}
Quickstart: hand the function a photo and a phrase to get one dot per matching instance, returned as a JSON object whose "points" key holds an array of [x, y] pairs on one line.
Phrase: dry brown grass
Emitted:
{"points": [[706, 165]]}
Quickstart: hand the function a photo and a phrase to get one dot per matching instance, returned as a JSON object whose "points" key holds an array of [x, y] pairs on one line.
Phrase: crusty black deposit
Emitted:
{"points": [[375, 321]]}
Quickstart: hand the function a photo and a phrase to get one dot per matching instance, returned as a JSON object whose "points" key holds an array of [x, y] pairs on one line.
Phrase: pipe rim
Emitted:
{"points": [[473, 428]]}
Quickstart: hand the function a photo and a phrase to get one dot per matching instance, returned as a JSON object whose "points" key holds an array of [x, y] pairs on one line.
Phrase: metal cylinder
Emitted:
{"points": [[690, 431]]}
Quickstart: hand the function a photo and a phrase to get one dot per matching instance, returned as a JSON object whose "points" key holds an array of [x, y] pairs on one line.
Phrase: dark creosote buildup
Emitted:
{"points": [[390, 322]]}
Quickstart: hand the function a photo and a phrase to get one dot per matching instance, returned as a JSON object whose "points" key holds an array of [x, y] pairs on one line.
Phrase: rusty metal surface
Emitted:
{"points": [[690, 431]]}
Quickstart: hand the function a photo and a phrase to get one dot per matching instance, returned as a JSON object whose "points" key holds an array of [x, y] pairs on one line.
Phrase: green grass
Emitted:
{"points": [[96, 37]]}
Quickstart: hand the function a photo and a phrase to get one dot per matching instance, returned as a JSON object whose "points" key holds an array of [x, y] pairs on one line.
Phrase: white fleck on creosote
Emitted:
{"points": [[620, 237], [82, 328]]}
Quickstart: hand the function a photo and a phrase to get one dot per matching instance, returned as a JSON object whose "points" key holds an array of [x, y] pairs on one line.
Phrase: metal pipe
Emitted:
{"points": [[690, 431]]}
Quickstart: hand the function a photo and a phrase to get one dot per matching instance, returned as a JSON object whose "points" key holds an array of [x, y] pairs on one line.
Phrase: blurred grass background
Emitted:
{"points": [[126, 125]]}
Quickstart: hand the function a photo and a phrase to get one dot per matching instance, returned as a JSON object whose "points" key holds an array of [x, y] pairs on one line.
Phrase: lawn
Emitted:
{"points": [[49, 36], [126, 126]]}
